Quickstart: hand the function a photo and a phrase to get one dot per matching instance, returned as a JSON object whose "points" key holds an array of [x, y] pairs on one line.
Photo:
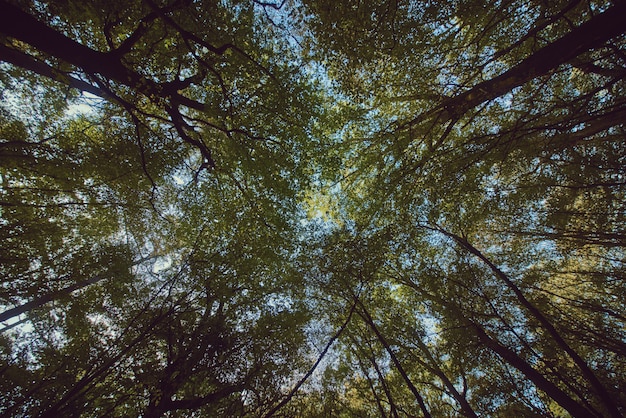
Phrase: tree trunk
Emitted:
{"points": [[370, 322], [591, 34], [536, 313], [370, 383], [37, 302], [560, 397], [294, 390], [22, 26], [466, 408]]}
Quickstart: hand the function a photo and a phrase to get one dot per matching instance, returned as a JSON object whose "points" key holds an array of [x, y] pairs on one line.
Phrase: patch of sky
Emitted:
{"points": [[86, 104]]}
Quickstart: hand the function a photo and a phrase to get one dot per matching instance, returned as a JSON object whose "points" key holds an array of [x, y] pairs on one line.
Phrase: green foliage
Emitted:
{"points": [[312, 208]]}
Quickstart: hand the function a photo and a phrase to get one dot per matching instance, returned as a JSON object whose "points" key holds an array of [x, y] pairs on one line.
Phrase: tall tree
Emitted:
{"points": [[493, 122], [312, 208], [149, 218]]}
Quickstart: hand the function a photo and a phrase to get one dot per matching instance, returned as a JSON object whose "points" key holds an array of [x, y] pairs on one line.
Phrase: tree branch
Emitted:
{"points": [[537, 378], [20, 25], [599, 388], [308, 374], [35, 303], [28, 62], [587, 36]]}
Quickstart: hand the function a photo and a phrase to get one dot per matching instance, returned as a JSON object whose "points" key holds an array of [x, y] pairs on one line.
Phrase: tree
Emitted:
{"points": [[312, 208], [146, 263], [491, 135]]}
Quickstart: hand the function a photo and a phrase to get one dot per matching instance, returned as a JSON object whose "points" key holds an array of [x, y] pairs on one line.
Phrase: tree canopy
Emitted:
{"points": [[313, 208]]}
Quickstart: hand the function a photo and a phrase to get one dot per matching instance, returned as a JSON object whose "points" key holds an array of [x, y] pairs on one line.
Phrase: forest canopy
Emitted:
{"points": [[312, 208]]}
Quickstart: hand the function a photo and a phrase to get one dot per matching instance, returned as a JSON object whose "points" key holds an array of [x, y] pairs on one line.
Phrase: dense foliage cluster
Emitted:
{"points": [[319, 208]]}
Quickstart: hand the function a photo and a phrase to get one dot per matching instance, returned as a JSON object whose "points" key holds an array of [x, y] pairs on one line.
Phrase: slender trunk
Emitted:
{"points": [[37, 302], [466, 408], [13, 325], [370, 322], [392, 405], [537, 378], [600, 390], [308, 374], [507, 354], [379, 403]]}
